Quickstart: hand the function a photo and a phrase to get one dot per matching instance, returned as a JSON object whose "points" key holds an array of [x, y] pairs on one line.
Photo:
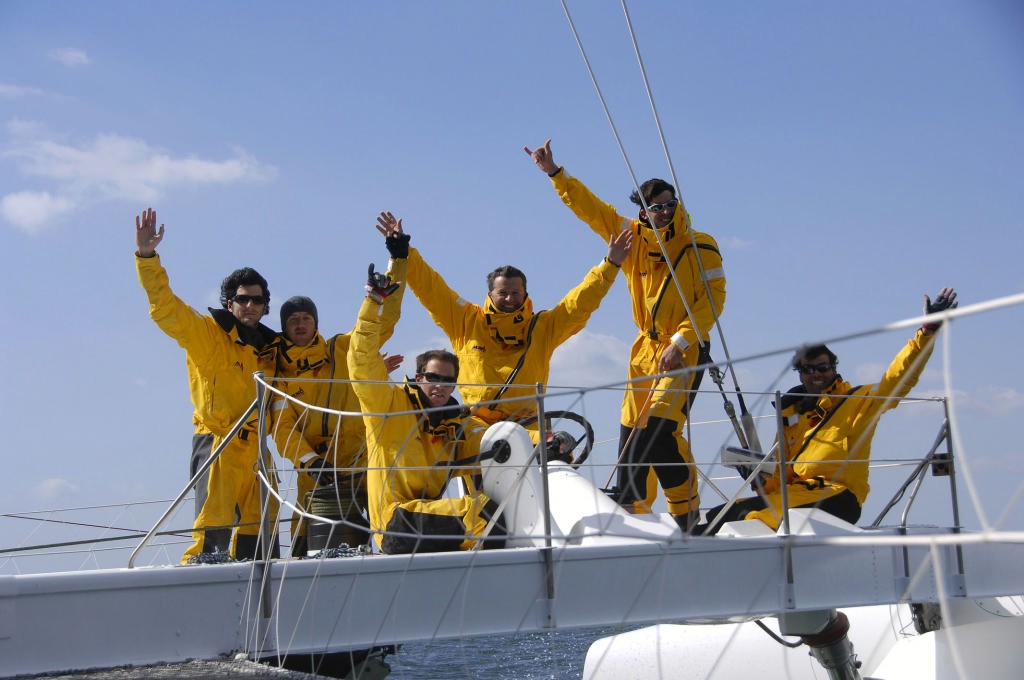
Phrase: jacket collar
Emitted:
{"points": [[258, 337], [508, 328], [306, 358], [435, 416]]}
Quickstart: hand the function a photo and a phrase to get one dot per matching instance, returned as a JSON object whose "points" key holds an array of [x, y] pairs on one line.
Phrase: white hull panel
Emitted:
{"points": [[164, 614]]}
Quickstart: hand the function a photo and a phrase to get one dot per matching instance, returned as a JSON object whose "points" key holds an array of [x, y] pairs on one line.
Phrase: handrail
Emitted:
{"points": [[265, 462]]}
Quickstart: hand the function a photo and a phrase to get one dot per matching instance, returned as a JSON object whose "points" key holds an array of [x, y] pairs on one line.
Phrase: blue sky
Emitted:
{"points": [[848, 157]]}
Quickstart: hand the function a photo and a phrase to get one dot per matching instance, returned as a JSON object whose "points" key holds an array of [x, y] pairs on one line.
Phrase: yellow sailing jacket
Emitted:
{"points": [[658, 310], [490, 343], [220, 363], [403, 448], [838, 453], [303, 434]]}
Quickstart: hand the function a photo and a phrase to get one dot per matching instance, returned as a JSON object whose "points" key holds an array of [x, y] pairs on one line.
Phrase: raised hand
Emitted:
{"points": [[147, 236], [543, 158], [619, 246], [946, 299], [392, 361], [396, 240]]}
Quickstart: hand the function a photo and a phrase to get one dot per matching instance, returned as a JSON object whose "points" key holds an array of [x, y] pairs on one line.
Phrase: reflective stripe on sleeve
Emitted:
{"points": [[712, 274]]}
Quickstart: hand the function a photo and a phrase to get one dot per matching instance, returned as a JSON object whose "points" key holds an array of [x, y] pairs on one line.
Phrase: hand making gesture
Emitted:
{"points": [[543, 158]]}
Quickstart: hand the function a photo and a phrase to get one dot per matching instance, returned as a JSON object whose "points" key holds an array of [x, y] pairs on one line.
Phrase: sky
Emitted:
{"points": [[848, 157]]}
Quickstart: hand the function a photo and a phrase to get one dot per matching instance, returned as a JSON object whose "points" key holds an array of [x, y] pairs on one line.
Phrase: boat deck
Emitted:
{"points": [[225, 669]]}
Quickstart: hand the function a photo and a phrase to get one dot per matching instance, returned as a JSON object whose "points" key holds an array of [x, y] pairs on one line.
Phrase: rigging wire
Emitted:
{"points": [[747, 434], [746, 418]]}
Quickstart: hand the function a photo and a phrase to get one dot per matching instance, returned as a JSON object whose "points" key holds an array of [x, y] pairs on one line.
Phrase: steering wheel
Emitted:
{"points": [[587, 438]]}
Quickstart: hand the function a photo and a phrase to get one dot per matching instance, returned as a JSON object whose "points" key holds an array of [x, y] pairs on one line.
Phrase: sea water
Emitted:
{"points": [[548, 655]]}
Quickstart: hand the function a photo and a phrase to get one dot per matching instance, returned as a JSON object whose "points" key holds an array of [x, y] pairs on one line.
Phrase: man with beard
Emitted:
{"points": [[504, 346], [677, 285], [828, 426]]}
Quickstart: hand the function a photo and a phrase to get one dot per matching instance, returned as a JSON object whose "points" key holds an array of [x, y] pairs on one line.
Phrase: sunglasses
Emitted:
{"points": [[816, 368], [438, 378], [659, 207], [246, 299]]}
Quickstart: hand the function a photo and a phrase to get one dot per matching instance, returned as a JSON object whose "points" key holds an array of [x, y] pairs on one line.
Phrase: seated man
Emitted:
{"points": [[409, 430], [828, 428]]}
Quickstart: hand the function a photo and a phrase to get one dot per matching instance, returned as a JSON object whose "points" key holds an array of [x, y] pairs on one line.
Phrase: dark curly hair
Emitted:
{"points": [[246, 276], [441, 354], [805, 353], [650, 189]]}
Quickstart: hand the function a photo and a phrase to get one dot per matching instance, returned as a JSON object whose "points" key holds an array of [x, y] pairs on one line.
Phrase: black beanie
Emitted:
{"points": [[299, 303]]}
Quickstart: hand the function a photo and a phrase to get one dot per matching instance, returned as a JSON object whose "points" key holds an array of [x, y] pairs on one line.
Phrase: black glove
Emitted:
{"points": [[316, 470], [398, 245], [559, 446], [946, 299], [379, 286]]}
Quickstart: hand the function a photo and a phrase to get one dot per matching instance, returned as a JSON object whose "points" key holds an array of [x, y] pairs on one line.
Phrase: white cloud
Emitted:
{"points": [[69, 56], [589, 359], [18, 127], [738, 243], [53, 489], [108, 167], [995, 400], [8, 91], [30, 210]]}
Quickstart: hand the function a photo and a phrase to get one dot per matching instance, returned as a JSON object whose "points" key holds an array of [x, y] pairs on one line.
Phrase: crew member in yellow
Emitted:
{"points": [[222, 352], [329, 450], [410, 430], [673, 315], [504, 346], [828, 427]]}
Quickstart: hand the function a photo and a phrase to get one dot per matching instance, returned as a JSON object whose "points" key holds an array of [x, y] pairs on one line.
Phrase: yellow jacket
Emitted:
{"points": [[403, 448], [302, 434], [658, 311], [220, 362], [489, 343], [838, 453]]}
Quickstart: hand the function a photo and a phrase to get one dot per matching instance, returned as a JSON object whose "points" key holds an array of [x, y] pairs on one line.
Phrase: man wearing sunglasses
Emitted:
{"points": [[414, 432], [222, 351], [677, 285], [828, 426]]}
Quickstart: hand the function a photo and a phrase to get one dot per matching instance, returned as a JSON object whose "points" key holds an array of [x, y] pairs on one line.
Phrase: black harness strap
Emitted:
{"points": [[653, 334], [828, 416], [522, 357]]}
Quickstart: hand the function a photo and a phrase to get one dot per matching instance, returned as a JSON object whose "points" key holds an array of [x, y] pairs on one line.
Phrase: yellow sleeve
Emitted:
{"points": [[392, 307], [602, 217], [177, 319], [571, 314], [445, 306], [288, 431], [364, 361]]}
